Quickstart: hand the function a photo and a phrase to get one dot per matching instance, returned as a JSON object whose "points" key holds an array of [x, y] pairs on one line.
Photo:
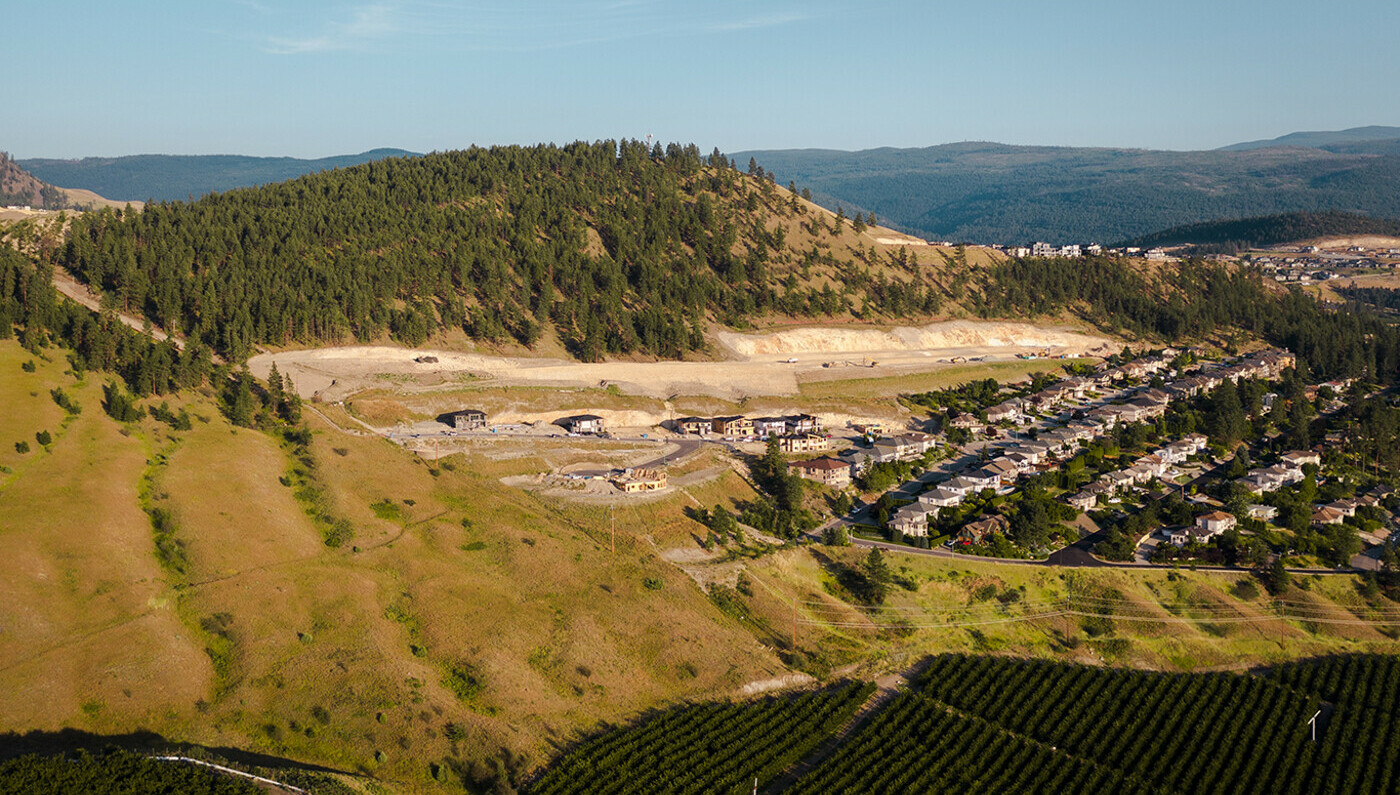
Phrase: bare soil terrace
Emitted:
{"points": [[775, 363]]}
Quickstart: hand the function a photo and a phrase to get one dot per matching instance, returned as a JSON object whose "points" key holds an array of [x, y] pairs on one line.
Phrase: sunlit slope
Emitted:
{"points": [[461, 618]]}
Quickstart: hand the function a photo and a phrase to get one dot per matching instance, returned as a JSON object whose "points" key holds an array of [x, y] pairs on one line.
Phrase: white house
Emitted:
{"points": [[940, 497], [1215, 522]]}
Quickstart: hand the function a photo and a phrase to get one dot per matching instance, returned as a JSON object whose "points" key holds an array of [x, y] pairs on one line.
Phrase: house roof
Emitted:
{"points": [[825, 463], [1215, 516]]}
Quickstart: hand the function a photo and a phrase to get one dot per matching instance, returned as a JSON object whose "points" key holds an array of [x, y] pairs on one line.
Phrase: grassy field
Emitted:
{"points": [[859, 388], [1176, 633]]}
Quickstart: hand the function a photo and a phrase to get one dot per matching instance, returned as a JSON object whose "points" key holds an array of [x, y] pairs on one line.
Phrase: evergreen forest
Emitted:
{"points": [[615, 248]]}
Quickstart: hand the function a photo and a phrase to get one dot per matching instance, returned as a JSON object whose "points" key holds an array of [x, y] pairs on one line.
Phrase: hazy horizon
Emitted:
{"points": [[323, 78]]}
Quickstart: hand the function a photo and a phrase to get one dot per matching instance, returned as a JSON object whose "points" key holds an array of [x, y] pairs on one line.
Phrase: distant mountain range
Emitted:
{"points": [[990, 193], [1332, 140], [179, 177]]}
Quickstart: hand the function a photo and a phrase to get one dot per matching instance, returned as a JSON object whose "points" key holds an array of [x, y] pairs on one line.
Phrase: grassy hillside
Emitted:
{"points": [[462, 619], [993, 193]]}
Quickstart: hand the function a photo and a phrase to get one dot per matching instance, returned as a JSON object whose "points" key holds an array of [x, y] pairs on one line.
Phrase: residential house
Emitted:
{"points": [[1198, 441], [830, 471], [1154, 464], [1327, 515], [1264, 513], [859, 460], [803, 423], [732, 426], [1006, 470], [967, 422], [696, 425], [904, 447], [1024, 463], [466, 419], [1156, 396], [1119, 481], [1140, 473], [887, 450], [1148, 409], [1215, 522], [1078, 386], [963, 485], [1099, 488], [763, 427], [1298, 458], [1009, 410], [582, 423], [1083, 500], [977, 532], [941, 497], [1346, 507], [983, 478], [912, 520], [803, 443]]}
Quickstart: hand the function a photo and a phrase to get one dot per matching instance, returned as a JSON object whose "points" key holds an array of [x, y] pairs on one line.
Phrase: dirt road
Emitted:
{"points": [[72, 288]]}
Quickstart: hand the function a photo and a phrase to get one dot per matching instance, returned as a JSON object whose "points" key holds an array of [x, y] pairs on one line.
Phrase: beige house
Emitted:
{"points": [[732, 426], [830, 471], [1215, 522], [804, 443]]}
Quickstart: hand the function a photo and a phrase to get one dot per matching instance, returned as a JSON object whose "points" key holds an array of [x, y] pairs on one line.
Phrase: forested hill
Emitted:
{"points": [[180, 177], [615, 249], [1270, 230], [18, 187], [993, 193]]}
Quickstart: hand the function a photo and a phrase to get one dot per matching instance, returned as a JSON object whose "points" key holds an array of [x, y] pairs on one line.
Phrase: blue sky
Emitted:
{"points": [[313, 78]]}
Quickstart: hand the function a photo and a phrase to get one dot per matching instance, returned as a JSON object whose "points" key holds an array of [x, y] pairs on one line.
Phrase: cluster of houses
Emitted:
{"points": [[839, 471], [1316, 266], [740, 427], [1076, 250], [1147, 405], [1145, 469], [1052, 446]]}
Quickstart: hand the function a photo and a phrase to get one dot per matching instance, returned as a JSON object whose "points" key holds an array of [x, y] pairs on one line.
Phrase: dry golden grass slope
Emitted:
{"points": [[270, 640]]}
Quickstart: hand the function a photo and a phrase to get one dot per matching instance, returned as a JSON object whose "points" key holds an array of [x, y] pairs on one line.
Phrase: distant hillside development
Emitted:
{"points": [[179, 177], [1272, 230], [994, 193]]}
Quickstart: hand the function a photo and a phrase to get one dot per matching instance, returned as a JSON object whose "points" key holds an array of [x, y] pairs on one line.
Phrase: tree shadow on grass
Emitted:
{"points": [[47, 743]]}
